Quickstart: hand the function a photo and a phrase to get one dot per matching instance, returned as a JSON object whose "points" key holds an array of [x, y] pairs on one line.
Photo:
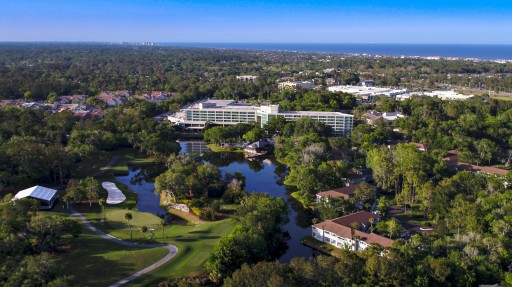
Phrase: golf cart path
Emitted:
{"points": [[109, 165], [172, 249]]}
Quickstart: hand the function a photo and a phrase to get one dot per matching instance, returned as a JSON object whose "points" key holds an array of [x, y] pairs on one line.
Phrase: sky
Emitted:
{"points": [[264, 21]]}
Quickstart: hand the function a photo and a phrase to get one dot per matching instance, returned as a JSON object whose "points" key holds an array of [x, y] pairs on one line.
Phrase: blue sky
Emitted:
{"points": [[370, 21]]}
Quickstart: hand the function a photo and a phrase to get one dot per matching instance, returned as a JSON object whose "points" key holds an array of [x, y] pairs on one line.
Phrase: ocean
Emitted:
{"points": [[484, 52]]}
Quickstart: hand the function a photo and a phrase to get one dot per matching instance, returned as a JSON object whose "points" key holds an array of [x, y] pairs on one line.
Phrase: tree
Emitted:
{"points": [[486, 149], [275, 125], [393, 227], [74, 191], [382, 205], [143, 230], [91, 187], [128, 217], [462, 214], [257, 236], [102, 202], [52, 98], [364, 193], [163, 223], [381, 162], [254, 135], [329, 208]]}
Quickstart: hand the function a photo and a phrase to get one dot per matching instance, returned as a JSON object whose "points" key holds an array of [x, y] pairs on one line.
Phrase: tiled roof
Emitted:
{"points": [[453, 161], [373, 116], [361, 217], [345, 192], [339, 227]]}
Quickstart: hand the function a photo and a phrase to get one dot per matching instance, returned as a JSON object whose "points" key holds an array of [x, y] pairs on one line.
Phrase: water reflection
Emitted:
{"points": [[265, 175], [139, 181], [262, 175]]}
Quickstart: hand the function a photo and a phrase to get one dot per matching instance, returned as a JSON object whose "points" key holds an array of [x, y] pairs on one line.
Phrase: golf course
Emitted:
{"points": [[87, 258]]}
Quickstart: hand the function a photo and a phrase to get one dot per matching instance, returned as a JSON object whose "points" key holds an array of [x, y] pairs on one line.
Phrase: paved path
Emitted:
{"points": [[172, 249], [108, 166]]}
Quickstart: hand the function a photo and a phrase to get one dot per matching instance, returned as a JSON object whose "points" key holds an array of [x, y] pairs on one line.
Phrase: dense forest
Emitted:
{"points": [[34, 71], [41, 147]]}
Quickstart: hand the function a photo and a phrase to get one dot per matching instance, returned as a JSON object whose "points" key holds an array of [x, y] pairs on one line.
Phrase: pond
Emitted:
{"points": [[137, 181], [264, 175]]}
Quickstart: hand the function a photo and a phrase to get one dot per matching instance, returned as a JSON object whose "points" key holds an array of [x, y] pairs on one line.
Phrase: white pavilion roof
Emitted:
{"points": [[37, 192]]}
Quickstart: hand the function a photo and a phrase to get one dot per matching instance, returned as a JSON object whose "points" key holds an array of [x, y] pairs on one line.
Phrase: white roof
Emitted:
{"points": [[37, 192]]}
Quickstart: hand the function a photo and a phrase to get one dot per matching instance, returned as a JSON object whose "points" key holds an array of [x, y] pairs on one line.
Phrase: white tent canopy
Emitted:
{"points": [[37, 192], [46, 196]]}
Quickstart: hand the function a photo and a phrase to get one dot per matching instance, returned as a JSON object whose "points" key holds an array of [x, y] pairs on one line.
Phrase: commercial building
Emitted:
{"points": [[293, 85], [446, 95], [227, 112], [367, 92], [372, 117], [247, 78]]}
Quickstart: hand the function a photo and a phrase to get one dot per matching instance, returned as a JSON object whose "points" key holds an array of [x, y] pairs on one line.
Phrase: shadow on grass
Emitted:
{"points": [[198, 232], [87, 258], [195, 239]]}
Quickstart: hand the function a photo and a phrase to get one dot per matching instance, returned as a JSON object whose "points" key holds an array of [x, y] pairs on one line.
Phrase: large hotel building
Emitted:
{"points": [[227, 112]]}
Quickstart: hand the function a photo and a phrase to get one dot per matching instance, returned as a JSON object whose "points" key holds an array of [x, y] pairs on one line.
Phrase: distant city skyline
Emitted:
{"points": [[371, 21]]}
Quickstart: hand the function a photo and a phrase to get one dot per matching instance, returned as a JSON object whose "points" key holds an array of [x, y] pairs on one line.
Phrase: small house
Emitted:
{"points": [[257, 147]]}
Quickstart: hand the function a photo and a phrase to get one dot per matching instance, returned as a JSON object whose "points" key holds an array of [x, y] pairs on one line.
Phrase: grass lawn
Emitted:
{"points": [[94, 261], [320, 246], [414, 216], [195, 240], [217, 148], [129, 157], [195, 243], [89, 256], [299, 199], [91, 166], [503, 98]]}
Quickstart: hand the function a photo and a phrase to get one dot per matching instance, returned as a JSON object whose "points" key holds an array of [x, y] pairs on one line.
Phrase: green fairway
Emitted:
{"points": [[89, 256], [195, 244], [94, 261], [126, 156], [217, 148]]}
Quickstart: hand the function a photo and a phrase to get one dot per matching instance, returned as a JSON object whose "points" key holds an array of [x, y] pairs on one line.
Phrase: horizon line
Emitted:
{"points": [[199, 42]]}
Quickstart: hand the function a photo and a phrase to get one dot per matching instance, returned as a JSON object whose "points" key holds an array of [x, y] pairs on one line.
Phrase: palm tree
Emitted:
{"points": [[143, 230], [163, 223], [128, 216], [372, 221], [101, 202]]}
